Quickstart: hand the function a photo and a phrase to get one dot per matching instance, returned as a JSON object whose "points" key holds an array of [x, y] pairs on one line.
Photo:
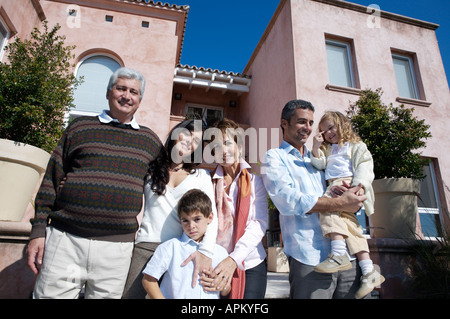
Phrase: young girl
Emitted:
{"points": [[346, 160]]}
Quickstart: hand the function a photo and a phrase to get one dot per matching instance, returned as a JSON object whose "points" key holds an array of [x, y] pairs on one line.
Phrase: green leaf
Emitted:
{"points": [[36, 88]]}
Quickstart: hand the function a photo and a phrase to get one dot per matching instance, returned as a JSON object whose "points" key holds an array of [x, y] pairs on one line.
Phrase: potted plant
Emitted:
{"points": [[36, 92], [393, 135]]}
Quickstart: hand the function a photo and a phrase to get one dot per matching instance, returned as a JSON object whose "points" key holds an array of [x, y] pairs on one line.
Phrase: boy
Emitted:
{"points": [[195, 213]]}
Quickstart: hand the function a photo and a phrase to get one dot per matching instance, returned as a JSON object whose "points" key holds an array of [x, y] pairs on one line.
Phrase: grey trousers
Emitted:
{"points": [[305, 283], [142, 253]]}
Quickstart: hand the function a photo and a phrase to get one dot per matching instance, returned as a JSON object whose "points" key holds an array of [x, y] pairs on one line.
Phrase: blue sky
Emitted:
{"points": [[222, 34]]}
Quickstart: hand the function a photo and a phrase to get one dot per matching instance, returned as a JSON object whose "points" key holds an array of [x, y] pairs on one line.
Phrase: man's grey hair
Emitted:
{"points": [[127, 73]]}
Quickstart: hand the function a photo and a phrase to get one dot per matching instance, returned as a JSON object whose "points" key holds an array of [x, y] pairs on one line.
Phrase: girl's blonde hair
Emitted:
{"points": [[343, 127]]}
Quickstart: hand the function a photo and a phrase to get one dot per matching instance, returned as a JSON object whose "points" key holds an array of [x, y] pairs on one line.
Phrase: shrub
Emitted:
{"points": [[392, 134], [36, 89]]}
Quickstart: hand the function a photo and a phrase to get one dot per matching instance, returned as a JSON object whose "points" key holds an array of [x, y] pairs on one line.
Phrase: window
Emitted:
{"points": [[209, 115], [428, 204], [340, 66], [363, 221], [404, 73], [90, 96], [4, 36]]}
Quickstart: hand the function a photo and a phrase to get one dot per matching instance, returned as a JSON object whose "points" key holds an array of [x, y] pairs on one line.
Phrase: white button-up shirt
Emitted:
{"points": [[177, 280], [249, 248]]}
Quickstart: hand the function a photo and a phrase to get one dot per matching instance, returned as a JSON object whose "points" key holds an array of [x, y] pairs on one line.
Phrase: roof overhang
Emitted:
{"points": [[347, 4], [209, 79]]}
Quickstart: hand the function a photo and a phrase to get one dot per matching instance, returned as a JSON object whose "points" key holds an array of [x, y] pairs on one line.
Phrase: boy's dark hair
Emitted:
{"points": [[195, 201]]}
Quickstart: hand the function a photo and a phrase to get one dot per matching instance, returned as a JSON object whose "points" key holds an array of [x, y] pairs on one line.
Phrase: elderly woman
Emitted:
{"points": [[241, 201]]}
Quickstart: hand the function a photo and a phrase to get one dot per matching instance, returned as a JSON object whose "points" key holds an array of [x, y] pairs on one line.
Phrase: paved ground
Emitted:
{"points": [[277, 285]]}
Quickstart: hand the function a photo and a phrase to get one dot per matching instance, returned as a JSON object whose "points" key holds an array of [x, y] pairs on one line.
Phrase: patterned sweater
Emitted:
{"points": [[104, 166]]}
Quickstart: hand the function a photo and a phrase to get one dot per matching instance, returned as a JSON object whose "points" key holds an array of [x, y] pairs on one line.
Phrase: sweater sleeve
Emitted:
{"points": [[362, 165], [362, 162], [46, 196], [319, 162]]}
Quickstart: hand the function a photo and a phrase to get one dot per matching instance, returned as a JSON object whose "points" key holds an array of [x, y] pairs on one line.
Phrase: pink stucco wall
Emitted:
{"points": [[273, 73], [19, 15]]}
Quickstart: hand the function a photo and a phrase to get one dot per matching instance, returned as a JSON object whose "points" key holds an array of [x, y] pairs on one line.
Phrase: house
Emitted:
{"points": [[324, 51]]}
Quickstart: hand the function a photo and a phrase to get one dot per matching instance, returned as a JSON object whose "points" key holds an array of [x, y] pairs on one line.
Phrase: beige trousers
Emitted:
{"points": [[343, 223], [71, 263]]}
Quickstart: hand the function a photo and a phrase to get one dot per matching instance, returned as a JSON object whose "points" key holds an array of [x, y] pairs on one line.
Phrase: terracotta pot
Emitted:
{"points": [[395, 208], [21, 168]]}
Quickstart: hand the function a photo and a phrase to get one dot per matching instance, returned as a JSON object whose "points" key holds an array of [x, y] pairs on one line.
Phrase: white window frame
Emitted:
{"points": [[429, 210], [412, 72], [204, 109], [5, 41], [74, 113], [348, 49]]}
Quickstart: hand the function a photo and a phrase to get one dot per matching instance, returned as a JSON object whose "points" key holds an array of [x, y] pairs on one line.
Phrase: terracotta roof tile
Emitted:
{"points": [[166, 5], [195, 68]]}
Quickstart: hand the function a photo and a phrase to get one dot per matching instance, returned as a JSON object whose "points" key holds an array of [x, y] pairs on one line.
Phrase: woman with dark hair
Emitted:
{"points": [[172, 174]]}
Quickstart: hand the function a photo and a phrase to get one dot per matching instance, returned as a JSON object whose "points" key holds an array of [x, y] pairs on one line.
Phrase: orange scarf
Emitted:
{"points": [[231, 229]]}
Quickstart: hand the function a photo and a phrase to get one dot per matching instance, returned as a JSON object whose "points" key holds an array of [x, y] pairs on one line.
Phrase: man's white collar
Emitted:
{"points": [[106, 118]]}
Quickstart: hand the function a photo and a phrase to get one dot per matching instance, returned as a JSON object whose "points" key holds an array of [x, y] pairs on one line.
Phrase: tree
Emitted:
{"points": [[392, 134], [36, 88]]}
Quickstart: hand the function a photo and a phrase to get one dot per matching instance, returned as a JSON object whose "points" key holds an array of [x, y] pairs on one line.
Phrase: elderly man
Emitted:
{"points": [[83, 233], [296, 188]]}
